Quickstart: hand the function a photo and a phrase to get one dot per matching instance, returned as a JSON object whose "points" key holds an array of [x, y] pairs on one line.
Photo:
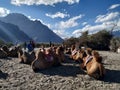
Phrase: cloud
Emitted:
{"points": [[44, 2], [114, 6], [96, 28], [91, 29], [108, 22], [84, 23], [4, 12], [77, 33], [58, 14], [61, 27], [72, 22], [107, 17], [61, 33]]}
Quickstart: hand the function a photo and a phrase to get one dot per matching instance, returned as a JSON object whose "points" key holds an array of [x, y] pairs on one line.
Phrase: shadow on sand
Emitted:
{"points": [[112, 76], [3, 75], [63, 70]]}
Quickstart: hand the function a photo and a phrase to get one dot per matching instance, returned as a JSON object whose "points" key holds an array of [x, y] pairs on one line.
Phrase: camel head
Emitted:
{"points": [[96, 56]]}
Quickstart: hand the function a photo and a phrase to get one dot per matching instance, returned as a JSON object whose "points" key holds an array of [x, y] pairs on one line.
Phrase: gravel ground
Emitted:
{"points": [[68, 76]]}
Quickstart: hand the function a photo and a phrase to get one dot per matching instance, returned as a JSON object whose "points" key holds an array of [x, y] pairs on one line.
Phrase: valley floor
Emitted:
{"points": [[69, 76]]}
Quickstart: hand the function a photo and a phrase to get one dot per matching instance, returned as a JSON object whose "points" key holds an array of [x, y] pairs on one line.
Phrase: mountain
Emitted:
{"points": [[34, 29], [116, 33], [11, 33]]}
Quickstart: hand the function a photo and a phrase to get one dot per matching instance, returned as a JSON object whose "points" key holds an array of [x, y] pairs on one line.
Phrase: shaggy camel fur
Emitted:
{"points": [[93, 67], [25, 57], [60, 54], [48, 58], [40, 62]]}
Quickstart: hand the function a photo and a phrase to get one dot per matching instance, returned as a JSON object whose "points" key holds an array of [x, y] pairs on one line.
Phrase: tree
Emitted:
{"points": [[70, 41], [83, 39], [101, 40], [114, 43]]}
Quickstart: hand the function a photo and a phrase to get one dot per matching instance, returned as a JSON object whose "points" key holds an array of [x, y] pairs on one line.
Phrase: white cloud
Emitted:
{"points": [[114, 6], [61, 33], [58, 14], [108, 22], [84, 23], [107, 17], [77, 33], [95, 28], [44, 2], [72, 22], [4, 12], [91, 29]]}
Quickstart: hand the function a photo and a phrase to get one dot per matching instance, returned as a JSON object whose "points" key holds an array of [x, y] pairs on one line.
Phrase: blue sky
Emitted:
{"points": [[68, 17]]}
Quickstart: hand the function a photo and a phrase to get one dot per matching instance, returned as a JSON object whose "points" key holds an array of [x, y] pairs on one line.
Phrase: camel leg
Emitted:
{"points": [[102, 70]]}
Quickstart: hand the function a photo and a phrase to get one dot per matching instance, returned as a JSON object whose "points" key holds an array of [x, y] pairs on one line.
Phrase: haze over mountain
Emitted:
{"points": [[11, 33], [116, 33], [34, 29]]}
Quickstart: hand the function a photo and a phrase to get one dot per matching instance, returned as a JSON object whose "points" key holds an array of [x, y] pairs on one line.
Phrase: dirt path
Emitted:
{"points": [[15, 76]]}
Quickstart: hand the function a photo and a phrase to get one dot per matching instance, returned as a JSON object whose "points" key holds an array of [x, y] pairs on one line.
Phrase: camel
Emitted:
{"points": [[60, 54], [93, 66], [25, 57], [5, 49], [11, 52], [3, 54], [48, 59], [41, 61]]}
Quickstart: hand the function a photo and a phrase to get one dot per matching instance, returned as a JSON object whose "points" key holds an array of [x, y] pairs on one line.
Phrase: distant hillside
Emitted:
{"points": [[116, 33], [34, 29], [11, 33]]}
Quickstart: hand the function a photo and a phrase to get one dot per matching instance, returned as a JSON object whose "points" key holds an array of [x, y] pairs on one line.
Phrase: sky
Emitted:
{"points": [[68, 18]]}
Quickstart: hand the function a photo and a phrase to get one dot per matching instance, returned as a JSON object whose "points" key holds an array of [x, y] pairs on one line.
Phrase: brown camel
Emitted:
{"points": [[41, 61], [93, 66], [48, 58], [25, 57]]}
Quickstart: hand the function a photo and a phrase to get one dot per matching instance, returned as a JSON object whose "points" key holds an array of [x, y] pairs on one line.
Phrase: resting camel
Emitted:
{"points": [[42, 61], [5, 49], [48, 59], [60, 54], [12, 52], [25, 57], [3, 54], [93, 66]]}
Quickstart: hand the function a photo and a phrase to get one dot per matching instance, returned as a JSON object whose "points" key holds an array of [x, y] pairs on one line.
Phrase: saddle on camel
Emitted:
{"points": [[92, 63], [46, 59], [73, 52]]}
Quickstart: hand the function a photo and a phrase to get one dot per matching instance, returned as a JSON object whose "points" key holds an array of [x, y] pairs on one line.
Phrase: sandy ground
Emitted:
{"points": [[68, 76]]}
